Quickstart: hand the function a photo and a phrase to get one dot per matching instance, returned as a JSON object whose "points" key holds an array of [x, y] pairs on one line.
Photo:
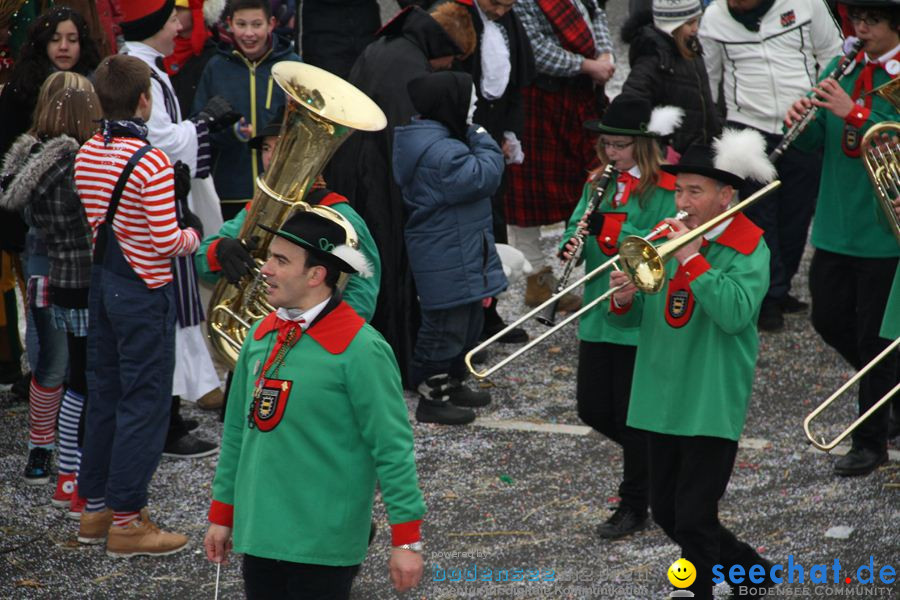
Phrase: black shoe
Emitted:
{"points": [[624, 521], [190, 424], [859, 461], [754, 590], [770, 317], [187, 446], [516, 335], [37, 471], [434, 403], [790, 305], [460, 395]]}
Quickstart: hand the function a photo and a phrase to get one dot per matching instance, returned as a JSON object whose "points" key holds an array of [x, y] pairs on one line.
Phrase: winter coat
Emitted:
{"points": [[335, 32], [235, 165], [663, 76], [34, 173], [447, 188]]}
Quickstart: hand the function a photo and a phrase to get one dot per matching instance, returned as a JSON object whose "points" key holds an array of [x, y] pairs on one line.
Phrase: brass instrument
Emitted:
{"points": [[551, 301], [821, 444], [548, 317], [321, 111], [881, 157], [797, 128]]}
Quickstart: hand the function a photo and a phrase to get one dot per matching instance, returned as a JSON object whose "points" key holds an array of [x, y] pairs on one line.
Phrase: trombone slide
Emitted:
{"points": [[821, 444]]}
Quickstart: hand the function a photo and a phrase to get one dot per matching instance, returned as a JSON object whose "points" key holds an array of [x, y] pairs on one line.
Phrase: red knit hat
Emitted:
{"points": [[141, 19]]}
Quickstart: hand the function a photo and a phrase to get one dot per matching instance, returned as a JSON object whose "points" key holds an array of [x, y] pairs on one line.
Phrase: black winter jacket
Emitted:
{"points": [[663, 76]]}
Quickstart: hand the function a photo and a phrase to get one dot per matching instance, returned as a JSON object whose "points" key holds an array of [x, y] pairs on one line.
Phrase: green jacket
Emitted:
{"points": [[303, 490], [696, 353], [848, 219], [361, 292], [890, 327], [638, 220]]}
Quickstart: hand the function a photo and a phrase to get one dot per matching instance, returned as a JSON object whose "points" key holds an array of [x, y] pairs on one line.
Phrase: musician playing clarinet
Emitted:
{"points": [[855, 252], [696, 354], [637, 197]]}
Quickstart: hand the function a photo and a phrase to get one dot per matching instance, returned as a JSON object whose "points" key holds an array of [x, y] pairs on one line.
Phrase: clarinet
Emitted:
{"points": [[548, 317], [797, 128]]}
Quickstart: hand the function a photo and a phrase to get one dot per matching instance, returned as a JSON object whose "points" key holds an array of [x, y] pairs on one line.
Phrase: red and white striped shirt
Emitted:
{"points": [[145, 224]]}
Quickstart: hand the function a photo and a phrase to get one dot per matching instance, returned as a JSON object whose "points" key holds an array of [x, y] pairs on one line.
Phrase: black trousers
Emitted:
{"points": [[268, 579], [785, 214], [688, 476], [849, 296], [603, 389]]}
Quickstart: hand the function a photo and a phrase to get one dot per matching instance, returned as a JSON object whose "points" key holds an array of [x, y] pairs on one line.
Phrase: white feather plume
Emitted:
{"points": [[212, 11], [743, 152], [664, 120], [354, 258]]}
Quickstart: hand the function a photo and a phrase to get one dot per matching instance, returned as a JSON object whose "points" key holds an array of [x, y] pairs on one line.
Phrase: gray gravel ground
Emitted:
{"points": [[511, 499]]}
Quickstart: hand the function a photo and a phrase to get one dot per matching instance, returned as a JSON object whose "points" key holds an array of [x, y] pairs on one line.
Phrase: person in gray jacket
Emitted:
{"points": [[447, 170]]}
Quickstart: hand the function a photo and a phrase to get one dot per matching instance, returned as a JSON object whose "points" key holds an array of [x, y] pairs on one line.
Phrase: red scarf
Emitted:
{"points": [[630, 183], [570, 27], [187, 48]]}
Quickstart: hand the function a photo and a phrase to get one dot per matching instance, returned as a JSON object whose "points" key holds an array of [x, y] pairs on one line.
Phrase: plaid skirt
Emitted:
{"points": [[71, 320], [559, 152]]}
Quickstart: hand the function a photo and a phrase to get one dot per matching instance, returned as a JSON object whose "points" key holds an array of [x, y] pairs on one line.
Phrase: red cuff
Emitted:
{"points": [[221, 514], [619, 310], [608, 238], [211, 257], [696, 267], [858, 116], [406, 533]]}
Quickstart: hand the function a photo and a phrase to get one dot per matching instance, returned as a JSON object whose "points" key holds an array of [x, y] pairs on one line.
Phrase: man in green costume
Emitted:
{"points": [[696, 354], [315, 416]]}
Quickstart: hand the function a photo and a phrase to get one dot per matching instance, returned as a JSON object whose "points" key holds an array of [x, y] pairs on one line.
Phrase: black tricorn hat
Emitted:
{"points": [[625, 115], [700, 159], [324, 238], [272, 128]]}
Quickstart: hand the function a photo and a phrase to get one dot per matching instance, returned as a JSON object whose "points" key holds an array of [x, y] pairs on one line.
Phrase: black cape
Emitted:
{"points": [[361, 170]]}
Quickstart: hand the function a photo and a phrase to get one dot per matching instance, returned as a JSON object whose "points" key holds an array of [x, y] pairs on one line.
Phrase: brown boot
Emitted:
{"points": [[211, 400], [539, 287], [93, 526], [142, 537]]}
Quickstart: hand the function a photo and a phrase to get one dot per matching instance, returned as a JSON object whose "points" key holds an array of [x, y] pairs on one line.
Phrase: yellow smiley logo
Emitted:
{"points": [[682, 573]]}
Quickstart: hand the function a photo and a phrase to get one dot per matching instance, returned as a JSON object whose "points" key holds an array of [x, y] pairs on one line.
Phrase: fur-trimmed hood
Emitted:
{"points": [[25, 164]]}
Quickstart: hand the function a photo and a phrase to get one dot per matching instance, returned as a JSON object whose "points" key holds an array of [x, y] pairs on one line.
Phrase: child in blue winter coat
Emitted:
{"points": [[448, 169]]}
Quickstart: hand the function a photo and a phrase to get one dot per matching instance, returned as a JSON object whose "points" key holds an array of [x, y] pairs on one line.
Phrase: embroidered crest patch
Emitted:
{"points": [[788, 18], [269, 402], [680, 300]]}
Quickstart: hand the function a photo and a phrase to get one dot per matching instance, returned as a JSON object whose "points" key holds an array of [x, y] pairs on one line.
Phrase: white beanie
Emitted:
{"points": [[669, 15]]}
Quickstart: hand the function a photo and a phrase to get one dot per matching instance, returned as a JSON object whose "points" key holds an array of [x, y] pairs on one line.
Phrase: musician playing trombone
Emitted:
{"points": [[856, 254], [696, 353], [638, 197]]}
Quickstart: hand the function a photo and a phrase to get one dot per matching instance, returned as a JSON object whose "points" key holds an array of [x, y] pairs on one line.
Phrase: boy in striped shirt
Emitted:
{"points": [[127, 189]]}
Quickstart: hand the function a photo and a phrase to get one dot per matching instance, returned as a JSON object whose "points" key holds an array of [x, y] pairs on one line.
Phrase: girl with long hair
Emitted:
{"points": [[637, 197], [38, 172]]}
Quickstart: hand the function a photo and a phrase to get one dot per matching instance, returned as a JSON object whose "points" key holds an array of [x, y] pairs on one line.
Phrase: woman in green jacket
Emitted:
{"points": [[637, 197]]}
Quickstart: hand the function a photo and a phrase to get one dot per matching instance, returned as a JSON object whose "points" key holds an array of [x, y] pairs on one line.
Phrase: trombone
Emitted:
{"points": [[643, 262], [821, 444]]}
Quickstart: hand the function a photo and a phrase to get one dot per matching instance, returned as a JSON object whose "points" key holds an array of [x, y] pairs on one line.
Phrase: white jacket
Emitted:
{"points": [[764, 72]]}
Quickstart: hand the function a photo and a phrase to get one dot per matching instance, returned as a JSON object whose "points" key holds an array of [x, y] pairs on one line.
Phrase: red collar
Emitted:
{"points": [[332, 198], [665, 180], [741, 235], [334, 331]]}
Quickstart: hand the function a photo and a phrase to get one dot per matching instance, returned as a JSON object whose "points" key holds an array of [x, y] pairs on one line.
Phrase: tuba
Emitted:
{"points": [[881, 157], [321, 111]]}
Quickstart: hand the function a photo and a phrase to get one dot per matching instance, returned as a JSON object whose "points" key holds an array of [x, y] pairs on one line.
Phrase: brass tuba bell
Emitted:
{"points": [[321, 111]]}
